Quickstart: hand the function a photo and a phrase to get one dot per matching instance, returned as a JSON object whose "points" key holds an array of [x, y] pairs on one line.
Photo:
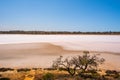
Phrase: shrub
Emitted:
{"points": [[48, 76], [112, 73], [5, 69], [85, 75], [91, 75], [4, 78], [93, 71], [23, 69]]}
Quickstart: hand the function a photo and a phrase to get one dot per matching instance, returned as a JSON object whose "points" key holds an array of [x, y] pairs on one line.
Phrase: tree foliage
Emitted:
{"points": [[66, 63], [87, 61], [81, 63]]}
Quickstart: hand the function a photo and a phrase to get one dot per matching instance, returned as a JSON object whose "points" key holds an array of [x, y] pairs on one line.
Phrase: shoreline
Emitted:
{"points": [[65, 34]]}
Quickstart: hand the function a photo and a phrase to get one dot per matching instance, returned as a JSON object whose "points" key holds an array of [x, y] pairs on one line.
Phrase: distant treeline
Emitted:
{"points": [[57, 32]]}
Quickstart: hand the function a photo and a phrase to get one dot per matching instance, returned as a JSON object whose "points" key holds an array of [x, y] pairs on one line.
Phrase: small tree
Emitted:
{"points": [[87, 61], [82, 63], [67, 64]]}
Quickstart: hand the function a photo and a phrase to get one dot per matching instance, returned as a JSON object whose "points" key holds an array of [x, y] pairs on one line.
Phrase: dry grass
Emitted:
{"points": [[38, 75]]}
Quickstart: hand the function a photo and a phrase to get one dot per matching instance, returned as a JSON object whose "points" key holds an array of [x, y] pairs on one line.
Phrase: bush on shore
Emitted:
{"points": [[48, 76]]}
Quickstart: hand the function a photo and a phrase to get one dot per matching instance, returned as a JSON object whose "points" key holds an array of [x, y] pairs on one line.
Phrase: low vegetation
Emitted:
{"points": [[82, 67]]}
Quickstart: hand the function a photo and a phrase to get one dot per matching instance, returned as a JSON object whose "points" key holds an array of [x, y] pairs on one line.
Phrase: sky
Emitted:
{"points": [[60, 15]]}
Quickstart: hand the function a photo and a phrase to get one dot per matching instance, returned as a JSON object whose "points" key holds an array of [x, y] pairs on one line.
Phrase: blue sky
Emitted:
{"points": [[60, 15]]}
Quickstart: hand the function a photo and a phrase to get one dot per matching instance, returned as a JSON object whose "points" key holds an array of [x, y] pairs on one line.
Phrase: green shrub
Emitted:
{"points": [[48, 76], [90, 75], [85, 75], [96, 76]]}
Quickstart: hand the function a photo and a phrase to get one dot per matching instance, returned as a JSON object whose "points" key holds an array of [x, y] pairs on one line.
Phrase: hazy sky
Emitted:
{"points": [[60, 15]]}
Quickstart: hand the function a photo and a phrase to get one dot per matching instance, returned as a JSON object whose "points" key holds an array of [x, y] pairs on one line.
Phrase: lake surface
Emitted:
{"points": [[40, 50], [107, 43]]}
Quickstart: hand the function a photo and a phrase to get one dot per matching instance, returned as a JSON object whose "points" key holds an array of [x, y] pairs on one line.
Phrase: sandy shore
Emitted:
{"points": [[42, 55]]}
